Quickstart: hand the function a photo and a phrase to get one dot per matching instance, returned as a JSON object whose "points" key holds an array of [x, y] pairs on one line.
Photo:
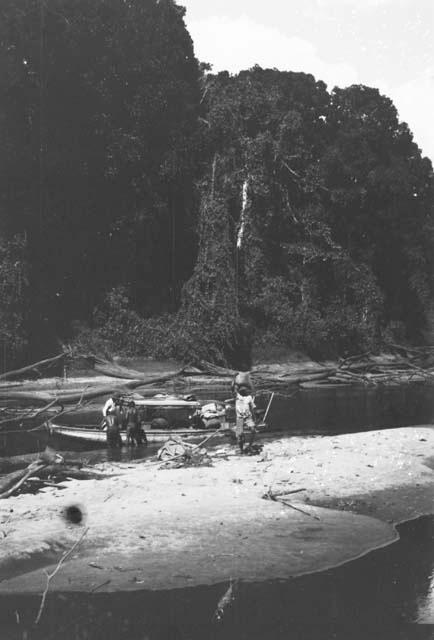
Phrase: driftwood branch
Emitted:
{"points": [[51, 575], [13, 481], [276, 497], [90, 394], [16, 373], [30, 415], [114, 370], [272, 495], [48, 465]]}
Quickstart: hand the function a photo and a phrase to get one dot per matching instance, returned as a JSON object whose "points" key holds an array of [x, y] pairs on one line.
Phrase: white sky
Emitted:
{"points": [[386, 44]]}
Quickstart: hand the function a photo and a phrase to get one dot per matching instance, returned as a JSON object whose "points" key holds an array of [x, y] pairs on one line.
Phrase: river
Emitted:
{"points": [[306, 412], [379, 596]]}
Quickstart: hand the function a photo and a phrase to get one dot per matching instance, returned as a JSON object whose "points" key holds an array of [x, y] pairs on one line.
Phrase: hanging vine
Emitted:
{"points": [[209, 322]]}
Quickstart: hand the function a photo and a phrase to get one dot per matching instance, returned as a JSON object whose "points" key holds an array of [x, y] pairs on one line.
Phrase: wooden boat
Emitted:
{"points": [[87, 433], [173, 408]]}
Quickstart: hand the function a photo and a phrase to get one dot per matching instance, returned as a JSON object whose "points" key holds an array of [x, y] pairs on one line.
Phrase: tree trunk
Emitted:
{"points": [[16, 373], [72, 397]]}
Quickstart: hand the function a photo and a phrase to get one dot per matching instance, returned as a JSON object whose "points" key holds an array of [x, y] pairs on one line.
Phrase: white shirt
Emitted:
{"points": [[109, 405], [243, 406]]}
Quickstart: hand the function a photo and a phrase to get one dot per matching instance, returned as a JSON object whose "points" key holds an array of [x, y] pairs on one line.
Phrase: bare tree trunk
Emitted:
{"points": [[16, 373]]}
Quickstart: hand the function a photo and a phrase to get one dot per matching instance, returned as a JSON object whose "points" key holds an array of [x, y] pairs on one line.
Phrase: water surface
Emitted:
{"points": [[373, 597], [306, 411]]}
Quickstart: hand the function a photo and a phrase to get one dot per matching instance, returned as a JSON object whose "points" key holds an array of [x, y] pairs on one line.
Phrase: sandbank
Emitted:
{"points": [[153, 528]]}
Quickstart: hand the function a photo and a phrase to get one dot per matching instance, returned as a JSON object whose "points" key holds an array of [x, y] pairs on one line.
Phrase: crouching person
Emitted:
{"points": [[113, 432], [245, 423]]}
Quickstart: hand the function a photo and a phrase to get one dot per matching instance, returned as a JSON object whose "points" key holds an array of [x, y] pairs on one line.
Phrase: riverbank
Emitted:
{"points": [[90, 375], [157, 529]]}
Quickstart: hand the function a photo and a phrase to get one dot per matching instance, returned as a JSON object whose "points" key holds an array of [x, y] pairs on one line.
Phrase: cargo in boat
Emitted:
{"points": [[184, 417]]}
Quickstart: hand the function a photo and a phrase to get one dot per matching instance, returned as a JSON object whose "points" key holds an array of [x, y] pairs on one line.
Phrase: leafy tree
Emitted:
{"points": [[381, 198], [208, 323], [187, 214], [332, 205], [13, 290], [97, 122]]}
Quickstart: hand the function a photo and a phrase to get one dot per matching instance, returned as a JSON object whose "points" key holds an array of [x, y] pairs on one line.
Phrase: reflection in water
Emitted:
{"points": [[425, 598], [372, 597], [426, 605], [353, 409]]}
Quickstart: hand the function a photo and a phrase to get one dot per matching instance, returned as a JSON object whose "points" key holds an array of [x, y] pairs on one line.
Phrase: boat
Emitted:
{"points": [[177, 412], [87, 433]]}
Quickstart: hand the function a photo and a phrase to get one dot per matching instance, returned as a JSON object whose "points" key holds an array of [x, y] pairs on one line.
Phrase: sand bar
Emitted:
{"points": [[150, 528]]}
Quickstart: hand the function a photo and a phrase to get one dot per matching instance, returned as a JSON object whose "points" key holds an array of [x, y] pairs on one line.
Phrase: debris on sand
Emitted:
{"points": [[176, 453]]}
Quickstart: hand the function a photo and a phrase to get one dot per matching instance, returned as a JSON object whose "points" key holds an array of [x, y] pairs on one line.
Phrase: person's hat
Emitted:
{"points": [[116, 395], [131, 403]]}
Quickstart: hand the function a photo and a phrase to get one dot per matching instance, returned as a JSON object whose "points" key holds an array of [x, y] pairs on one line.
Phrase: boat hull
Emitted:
{"points": [[152, 435]]}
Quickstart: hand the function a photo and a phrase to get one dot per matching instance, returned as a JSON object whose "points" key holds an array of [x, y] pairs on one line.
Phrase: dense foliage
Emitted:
{"points": [[98, 112], [156, 208]]}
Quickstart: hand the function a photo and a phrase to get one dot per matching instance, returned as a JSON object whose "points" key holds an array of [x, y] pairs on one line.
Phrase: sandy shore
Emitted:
{"points": [[152, 528]]}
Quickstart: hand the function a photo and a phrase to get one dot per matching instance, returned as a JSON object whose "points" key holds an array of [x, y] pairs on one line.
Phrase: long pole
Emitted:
{"points": [[268, 406]]}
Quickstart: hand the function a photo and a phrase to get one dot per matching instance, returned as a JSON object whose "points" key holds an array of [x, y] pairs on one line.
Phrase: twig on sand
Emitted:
{"points": [[55, 570], [98, 586], [276, 497], [291, 506], [285, 492]]}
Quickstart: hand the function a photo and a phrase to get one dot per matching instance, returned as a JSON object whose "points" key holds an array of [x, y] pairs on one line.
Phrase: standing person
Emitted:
{"points": [[242, 379], [134, 433], [245, 411], [113, 433], [111, 403], [120, 412]]}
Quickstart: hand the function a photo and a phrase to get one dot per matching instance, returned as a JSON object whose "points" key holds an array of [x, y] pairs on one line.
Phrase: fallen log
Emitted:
{"points": [[16, 373], [116, 371], [347, 376], [352, 359], [290, 379], [13, 463], [419, 370], [214, 369], [30, 415], [413, 350], [49, 465], [13, 481], [44, 483], [113, 370], [64, 471], [71, 397]]}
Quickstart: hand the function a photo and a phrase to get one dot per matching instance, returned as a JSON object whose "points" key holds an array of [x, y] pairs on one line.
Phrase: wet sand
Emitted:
{"points": [[153, 528]]}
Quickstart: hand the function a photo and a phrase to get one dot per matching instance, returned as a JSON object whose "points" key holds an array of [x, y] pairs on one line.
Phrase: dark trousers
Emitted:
{"points": [[113, 436], [134, 434]]}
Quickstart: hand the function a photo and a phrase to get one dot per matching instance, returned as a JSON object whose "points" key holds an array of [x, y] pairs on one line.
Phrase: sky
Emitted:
{"points": [[386, 44]]}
